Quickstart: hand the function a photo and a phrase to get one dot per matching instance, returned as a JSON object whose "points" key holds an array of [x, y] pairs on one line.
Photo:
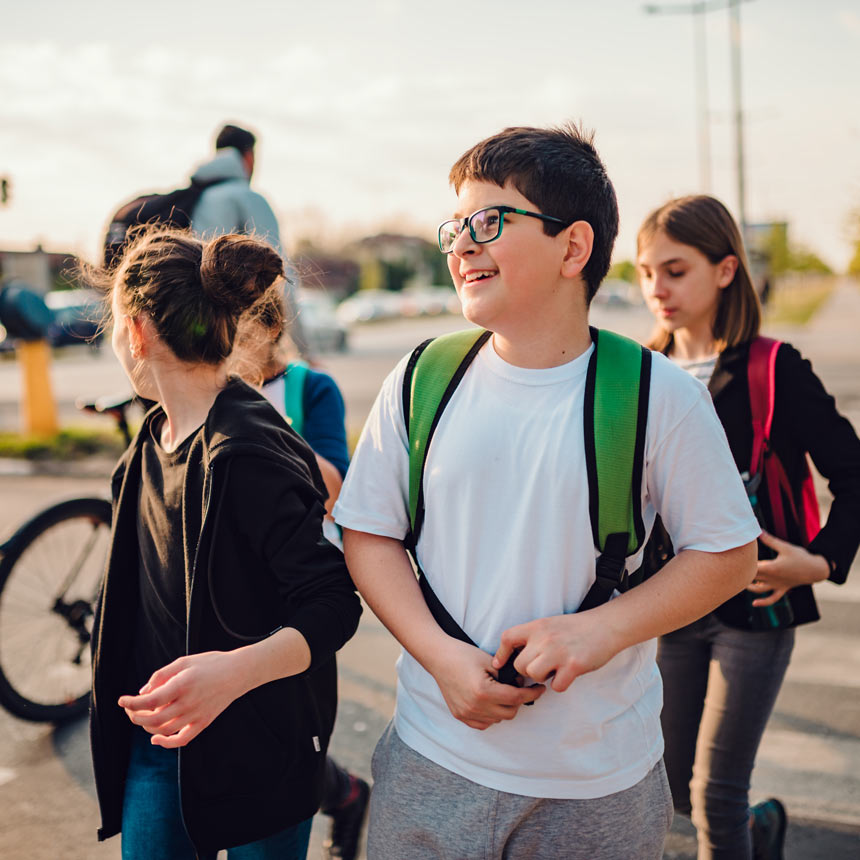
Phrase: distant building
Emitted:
{"points": [[42, 270]]}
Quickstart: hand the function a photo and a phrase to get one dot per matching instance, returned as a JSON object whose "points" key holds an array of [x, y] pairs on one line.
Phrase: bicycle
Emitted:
{"points": [[50, 575]]}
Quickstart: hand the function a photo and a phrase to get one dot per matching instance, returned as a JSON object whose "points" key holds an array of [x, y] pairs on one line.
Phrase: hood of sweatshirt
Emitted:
{"points": [[227, 164]]}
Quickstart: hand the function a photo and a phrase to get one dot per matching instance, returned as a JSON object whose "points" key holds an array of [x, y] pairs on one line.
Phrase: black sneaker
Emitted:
{"points": [[346, 823], [768, 830]]}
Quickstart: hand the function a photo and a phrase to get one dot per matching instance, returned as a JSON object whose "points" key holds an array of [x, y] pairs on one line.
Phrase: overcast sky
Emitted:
{"points": [[361, 107]]}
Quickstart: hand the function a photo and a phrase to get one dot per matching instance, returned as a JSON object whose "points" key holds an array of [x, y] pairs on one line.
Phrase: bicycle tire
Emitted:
{"points": [[44, 652]]}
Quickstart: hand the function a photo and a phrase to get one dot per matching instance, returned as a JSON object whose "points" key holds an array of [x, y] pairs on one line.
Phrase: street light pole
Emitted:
{"points": [[702, 93], [735, 30], [698, 10], [700, 59]]}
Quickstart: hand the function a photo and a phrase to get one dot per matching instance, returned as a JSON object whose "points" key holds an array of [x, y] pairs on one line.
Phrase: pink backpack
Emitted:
{"points": [[761, 378]]}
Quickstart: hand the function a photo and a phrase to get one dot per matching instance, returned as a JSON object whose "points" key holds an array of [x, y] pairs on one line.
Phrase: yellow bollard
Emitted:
{"points": [[38, 407]]}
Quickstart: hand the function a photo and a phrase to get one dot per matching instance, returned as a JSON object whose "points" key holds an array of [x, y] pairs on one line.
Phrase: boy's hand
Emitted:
{"points": [[184, 697], [466, 678], [560, 647], [793, 565]]}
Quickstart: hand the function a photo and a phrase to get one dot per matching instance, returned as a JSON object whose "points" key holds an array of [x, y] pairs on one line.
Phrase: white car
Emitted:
{"points": [[323, 330]]}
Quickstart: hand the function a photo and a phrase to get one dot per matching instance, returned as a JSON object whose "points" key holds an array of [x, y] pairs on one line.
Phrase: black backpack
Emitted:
{"points": [[173, 208]]}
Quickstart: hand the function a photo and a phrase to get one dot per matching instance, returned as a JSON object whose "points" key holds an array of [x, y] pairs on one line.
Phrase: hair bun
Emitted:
{"points": [[236, 271]]}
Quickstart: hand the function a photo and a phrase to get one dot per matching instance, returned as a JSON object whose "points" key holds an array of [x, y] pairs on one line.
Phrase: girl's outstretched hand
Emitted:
{"points": [[792, 566], [184, 697]]}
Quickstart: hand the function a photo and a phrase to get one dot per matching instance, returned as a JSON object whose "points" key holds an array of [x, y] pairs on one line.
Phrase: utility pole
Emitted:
{"points": [[737, 104], [698, 10], [700, 60]]}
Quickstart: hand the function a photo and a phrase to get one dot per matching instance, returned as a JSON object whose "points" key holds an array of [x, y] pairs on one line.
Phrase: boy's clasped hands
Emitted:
{"points": [[557, 649]]}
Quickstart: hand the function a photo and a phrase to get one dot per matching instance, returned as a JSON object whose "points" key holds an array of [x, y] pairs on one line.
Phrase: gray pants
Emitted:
{"points": [[421, 811], [719, 688]]}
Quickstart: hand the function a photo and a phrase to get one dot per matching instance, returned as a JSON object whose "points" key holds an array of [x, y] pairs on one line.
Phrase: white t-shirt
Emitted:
{"points": [[507, 539], [700, 368]]}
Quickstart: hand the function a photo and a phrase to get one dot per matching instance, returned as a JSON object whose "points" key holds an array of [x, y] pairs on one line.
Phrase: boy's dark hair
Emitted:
{"points": [[557, 169], [238, 138]]}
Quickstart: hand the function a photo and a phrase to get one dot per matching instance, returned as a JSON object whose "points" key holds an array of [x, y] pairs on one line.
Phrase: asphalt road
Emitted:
{"points": [[811, 753]]}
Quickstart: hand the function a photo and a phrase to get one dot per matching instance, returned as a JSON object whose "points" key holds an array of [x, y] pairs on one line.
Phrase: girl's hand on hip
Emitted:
{"points": [[184, 697], [793, 565]]}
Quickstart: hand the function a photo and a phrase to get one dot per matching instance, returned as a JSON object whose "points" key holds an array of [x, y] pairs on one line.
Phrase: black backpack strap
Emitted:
{"points": [[614, 547], [506, 675]]}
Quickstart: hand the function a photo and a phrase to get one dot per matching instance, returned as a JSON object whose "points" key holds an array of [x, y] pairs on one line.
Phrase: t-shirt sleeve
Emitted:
{"points": [[692, 481], [374, 496]]}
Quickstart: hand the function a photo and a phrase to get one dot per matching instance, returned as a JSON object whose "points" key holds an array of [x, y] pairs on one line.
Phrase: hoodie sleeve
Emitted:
{"points": [[806, 419], [279, 513]]}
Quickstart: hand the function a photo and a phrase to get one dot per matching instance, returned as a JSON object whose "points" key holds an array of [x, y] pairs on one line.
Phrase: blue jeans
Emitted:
{"points": [[152, 822], [719, 688]]}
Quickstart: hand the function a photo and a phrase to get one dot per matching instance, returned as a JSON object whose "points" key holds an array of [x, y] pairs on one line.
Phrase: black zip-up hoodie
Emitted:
{"points": [[255, 561], [805, 420]]}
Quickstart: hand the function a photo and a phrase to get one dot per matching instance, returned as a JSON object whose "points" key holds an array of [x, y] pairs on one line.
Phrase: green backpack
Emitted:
{"points": [[294, 394], [616, 410]]}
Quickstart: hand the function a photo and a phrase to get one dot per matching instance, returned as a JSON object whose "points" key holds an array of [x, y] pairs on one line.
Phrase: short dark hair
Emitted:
{"points": [[238, 138], [558, 169]]}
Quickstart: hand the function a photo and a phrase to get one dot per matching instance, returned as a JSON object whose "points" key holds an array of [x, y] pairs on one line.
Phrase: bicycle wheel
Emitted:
{"points": [[49, 580]]}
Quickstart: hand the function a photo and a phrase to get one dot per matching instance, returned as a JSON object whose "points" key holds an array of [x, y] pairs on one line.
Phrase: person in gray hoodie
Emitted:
{"points": [[229, 205]]}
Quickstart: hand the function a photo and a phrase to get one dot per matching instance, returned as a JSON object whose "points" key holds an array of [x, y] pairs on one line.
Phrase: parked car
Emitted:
{"points": [[615, 293], [323, 329], [77, 317], [368, 306]]}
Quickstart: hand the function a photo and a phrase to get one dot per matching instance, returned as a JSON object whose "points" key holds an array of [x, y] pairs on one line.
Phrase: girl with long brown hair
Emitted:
{"points": [[722, 674]]}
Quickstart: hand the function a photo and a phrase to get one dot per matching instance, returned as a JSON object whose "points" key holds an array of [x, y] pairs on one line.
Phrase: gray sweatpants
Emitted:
{"points": [[419, 811]]}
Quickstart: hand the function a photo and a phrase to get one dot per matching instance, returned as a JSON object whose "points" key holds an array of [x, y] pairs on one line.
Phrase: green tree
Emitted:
{"points": [[623, 270], [854, 238], [803, 260]]}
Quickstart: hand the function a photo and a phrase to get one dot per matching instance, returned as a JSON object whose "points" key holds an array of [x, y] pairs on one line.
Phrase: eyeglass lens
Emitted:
{"points": [[484, 225]]}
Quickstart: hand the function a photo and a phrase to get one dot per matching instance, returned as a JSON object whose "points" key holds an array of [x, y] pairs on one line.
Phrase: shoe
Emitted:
{"points": [[346, 823], [768, 830]]}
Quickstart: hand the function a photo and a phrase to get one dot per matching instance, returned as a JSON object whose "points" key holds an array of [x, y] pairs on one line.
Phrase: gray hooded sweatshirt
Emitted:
{"points": [[231, 206]]}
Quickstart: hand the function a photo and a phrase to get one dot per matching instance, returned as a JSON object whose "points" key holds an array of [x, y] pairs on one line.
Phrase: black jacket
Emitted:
{"points": [[255, 560], [805, 420]]}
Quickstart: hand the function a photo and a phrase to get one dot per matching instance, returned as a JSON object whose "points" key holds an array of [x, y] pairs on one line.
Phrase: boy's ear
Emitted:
{"points": [[580, 241]]}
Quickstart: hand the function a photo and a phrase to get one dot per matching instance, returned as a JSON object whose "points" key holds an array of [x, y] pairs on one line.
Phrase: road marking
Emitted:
{"points": [[815, 776], [825, 658], [7, 775], [847, 593]]}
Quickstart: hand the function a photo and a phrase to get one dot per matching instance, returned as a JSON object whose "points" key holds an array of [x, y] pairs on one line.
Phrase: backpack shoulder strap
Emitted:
{"points": [[761, 378], [294, 393], [433, 373], [617, 390]]}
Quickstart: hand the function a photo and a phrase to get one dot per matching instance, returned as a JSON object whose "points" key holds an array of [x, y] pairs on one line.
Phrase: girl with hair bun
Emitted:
{"points": [[222, 606], [722, 674]]}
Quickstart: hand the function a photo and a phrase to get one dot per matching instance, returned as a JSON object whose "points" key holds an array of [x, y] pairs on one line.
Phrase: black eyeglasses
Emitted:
{"points": [[485, 225]]}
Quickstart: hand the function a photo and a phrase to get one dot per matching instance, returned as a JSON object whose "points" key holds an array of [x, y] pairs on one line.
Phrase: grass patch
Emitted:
{"points": [[71, 443], [796, 305]]}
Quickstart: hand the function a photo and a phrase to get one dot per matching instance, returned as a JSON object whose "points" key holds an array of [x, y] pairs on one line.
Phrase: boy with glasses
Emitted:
{"points": [[464, 771]]}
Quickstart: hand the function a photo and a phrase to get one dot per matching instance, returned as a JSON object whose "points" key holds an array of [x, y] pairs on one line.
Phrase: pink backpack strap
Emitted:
{"points": [[761, 376]]}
